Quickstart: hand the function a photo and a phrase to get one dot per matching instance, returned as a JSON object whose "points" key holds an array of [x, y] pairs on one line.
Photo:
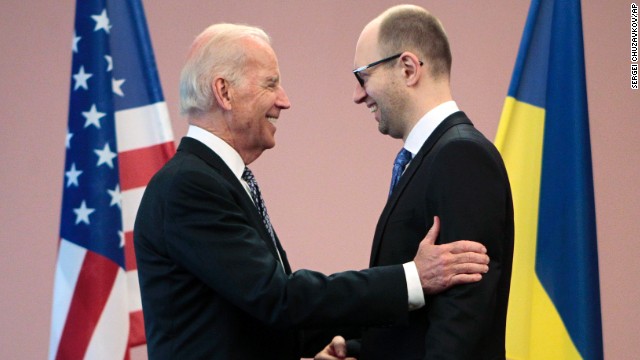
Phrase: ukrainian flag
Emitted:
{"points": [[554, 307]]}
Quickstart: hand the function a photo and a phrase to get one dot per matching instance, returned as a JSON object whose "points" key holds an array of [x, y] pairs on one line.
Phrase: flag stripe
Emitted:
{"points": [[143, 126], [66, 278], [138, 166], [130, 203], [105, 342], [133, 288], [136, 330], [520, 143], [129, 252], [91, 292]]}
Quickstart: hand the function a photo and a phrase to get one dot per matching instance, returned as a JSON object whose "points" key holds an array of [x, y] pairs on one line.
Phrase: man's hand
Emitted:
{"points": [[337, 350], [443, 266]]}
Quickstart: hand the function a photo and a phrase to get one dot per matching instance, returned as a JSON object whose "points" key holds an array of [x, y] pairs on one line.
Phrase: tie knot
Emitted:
{"points": [[403, 158], [247, 175]]}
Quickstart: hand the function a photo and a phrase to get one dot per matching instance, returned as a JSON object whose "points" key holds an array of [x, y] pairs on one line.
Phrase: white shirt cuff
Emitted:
{"points": [[414, 288]]}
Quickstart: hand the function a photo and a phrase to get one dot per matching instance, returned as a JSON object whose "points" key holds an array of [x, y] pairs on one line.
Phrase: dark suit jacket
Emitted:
{"points": [[212, 287], [459, 176]]}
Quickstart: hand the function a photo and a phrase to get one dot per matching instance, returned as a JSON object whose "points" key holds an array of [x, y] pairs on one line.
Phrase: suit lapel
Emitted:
{"points": [[452, 120], [212, 159]]}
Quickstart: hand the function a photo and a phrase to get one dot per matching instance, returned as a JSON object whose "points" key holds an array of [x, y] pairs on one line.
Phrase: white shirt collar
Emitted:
{"points": [[228, 154], [427, 124]]}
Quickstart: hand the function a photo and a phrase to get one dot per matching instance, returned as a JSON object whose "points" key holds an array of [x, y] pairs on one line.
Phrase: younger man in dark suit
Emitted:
{"points": [[453, 172]]}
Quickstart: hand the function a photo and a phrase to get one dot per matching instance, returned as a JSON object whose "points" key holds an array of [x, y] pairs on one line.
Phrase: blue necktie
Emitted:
{"points": [[403, 158]]}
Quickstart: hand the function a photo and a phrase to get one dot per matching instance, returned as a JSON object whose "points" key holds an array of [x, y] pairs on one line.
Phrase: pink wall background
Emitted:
{"points": [[326, 180]]}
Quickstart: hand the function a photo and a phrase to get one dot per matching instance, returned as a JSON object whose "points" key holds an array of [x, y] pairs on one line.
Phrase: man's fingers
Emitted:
{"points": [[463, 246], [339, 346], [470, 268], [465, 279], [449, 258], [471, 258], [336, 350], [432, 235]]}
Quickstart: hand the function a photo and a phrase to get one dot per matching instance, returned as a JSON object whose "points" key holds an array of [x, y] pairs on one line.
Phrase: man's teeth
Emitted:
{"points": [[373, 108], [272, 120]]}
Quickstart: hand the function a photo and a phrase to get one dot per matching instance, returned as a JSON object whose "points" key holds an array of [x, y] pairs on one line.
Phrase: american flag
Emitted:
{"points": [[118, 136]]}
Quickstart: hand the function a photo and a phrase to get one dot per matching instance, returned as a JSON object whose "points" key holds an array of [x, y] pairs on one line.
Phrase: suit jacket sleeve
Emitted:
{"points": [[209, 234], [470, 193]]}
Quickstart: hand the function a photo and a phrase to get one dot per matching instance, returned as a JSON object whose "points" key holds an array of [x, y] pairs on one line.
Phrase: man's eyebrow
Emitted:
{"points": [[272, 80]]}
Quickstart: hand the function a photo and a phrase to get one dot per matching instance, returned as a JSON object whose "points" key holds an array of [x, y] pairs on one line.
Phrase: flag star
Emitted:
{"points": [[81, 79], [76, 40], [116, 86], [105, 156], [68, 141], [121, 234], [82, 213], [72, 175], [102, 21], [109, 62], [93, 117], [116, 196]]}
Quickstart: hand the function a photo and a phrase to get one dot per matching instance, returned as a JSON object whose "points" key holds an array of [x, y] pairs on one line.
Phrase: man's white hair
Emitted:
{"points": [[217, 51]]}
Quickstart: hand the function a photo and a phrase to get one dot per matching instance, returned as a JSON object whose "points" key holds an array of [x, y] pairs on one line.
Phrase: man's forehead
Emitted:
{"points": [[263, 70], [261, 55], [367, 46]]}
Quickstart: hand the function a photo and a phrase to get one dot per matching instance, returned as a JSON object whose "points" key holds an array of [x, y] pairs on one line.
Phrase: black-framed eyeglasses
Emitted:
{"points": [[357, 71]]}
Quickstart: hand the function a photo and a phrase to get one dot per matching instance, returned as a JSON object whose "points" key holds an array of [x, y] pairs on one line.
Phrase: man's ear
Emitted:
{"points": [[411, 68], [221, 92]]}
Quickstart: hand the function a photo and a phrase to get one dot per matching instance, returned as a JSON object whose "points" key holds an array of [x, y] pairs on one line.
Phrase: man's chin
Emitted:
{"points": [[384, 130], [270, 145]]}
